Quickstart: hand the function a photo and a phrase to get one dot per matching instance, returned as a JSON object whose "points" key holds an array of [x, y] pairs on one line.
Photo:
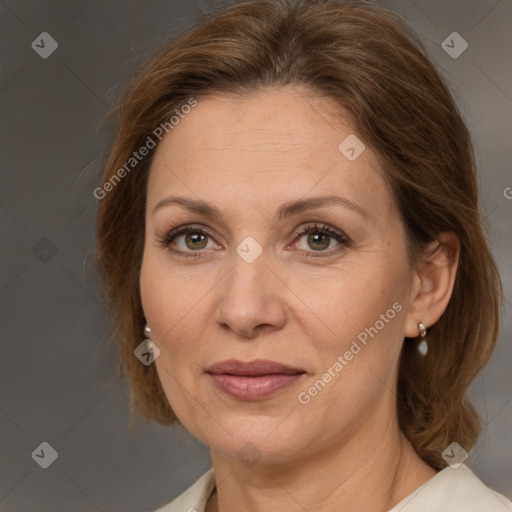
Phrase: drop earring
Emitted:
{"points": [[147, 338], [152, 350], [423, 346], [147, 351]]}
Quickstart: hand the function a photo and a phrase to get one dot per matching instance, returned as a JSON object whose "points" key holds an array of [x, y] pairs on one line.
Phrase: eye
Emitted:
{"points": [[187, 239], [321, 239], [190, 240]]}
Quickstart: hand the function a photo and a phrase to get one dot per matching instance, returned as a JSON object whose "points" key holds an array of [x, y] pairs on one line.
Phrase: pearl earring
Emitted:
{"points": [[147, 338], [151, 347], [147, 351], [423, 346]]}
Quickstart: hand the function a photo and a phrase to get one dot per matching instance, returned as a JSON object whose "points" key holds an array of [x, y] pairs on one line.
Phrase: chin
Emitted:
{"points": [[256, 438]]}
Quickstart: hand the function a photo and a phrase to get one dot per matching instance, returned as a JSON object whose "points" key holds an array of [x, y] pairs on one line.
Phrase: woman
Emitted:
{"points": [[288, 225]]}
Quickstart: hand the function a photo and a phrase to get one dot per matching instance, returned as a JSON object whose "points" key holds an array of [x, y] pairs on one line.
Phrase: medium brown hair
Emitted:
{"points": [[368, 60]]}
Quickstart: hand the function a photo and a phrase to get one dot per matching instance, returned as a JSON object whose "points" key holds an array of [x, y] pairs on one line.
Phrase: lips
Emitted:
{"points": [[255, 367], [253, 380]]}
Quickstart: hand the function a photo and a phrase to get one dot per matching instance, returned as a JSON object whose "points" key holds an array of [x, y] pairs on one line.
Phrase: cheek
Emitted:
{"points": [[356, 361], [363, 307], [167, 294], [339, 306], [169, 309], [174, 306]]}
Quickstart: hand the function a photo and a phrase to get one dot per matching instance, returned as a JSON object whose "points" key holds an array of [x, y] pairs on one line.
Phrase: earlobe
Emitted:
{"points": [[433, 282]]}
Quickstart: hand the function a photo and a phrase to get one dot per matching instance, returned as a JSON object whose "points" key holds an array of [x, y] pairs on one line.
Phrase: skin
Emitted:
{"points": [[247, 155]]}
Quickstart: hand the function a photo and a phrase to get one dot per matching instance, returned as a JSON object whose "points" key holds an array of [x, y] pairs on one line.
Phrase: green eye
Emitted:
{"points": [[191, 240], [320, 240], [186, 239], [195, 241]]}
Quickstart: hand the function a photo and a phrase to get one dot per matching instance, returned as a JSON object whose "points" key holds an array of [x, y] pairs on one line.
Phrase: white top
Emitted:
{"points": [[451, 490]]}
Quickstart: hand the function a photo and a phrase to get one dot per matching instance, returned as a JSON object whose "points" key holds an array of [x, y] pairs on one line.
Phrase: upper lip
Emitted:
{"points": [[255, 367]]}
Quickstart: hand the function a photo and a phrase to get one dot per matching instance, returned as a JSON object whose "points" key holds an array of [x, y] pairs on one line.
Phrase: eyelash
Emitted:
{"points": [[324, 229]]}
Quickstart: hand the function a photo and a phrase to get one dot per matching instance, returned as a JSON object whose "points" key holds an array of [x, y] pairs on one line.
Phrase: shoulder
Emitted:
{"points": [[451, 490], [195, 497], [454, 490]]}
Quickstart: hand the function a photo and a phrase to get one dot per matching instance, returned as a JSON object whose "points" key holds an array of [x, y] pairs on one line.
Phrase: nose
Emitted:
{"points": [[250, 299]]}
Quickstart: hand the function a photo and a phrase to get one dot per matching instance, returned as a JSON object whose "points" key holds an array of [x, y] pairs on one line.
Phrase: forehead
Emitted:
{"points": [[269, 145]]}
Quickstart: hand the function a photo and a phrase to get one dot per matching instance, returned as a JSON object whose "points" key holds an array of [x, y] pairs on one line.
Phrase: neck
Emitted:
{"points": [[353, 476]]}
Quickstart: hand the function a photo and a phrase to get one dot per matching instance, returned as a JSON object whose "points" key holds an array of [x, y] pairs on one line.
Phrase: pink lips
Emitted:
{"points": [[253, 380]]}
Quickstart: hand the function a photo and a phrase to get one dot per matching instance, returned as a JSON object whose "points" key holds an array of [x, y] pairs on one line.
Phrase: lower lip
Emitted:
{"points": [[253, 387]]}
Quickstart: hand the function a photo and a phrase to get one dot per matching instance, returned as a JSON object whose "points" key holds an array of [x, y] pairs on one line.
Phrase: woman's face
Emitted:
{"points": [[256, 277]]}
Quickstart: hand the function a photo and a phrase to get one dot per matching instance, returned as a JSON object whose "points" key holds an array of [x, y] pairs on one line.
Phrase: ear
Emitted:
{"points": [[432, 283]]}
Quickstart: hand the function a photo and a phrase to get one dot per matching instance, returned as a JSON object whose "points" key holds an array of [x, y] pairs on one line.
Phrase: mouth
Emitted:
{"points": [[253, 380]]}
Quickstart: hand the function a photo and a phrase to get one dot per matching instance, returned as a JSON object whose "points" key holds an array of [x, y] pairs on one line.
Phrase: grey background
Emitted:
{"points": [[58, 381]]}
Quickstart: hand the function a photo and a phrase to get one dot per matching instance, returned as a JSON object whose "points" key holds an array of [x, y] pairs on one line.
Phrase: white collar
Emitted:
{"points": [[450, 490]]}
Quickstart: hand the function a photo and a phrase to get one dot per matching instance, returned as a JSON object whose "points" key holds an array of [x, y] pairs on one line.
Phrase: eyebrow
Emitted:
{"points": [[285, 210]]}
